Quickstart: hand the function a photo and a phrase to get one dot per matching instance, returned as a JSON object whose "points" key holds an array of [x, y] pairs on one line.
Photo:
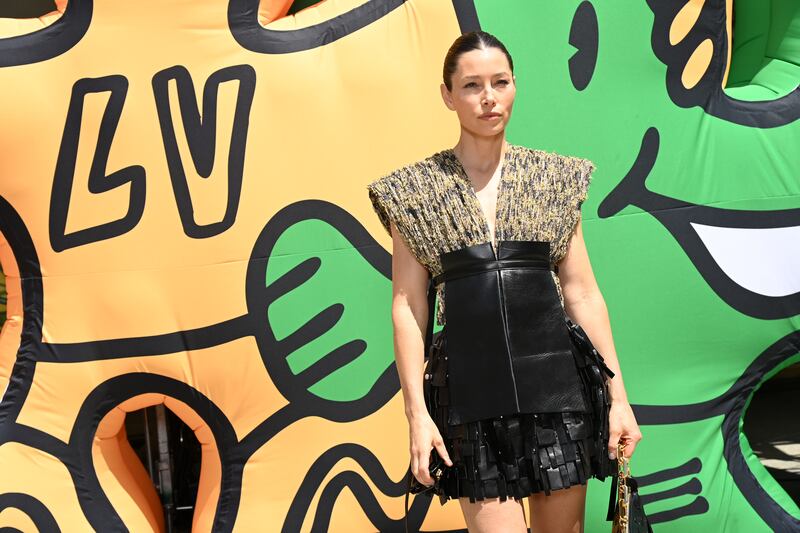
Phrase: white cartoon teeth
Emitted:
{"points": [[762, 260]]}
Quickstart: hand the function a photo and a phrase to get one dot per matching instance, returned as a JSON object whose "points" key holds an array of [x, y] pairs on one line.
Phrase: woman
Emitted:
{"points": [[466, 215]]}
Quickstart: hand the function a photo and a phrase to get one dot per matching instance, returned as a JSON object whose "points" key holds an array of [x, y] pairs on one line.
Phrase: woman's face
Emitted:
{"points": [[483, 91]]}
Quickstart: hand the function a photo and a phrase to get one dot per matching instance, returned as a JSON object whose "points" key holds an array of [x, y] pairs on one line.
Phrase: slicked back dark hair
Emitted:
{"points": [[473, 40]]}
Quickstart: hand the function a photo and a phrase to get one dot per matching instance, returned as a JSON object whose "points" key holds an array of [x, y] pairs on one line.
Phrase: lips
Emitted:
{"points": [[489, 115]]}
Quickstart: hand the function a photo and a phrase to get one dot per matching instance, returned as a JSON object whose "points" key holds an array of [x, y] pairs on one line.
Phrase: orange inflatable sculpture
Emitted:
{"points": [[163, 245], [184, 223]]}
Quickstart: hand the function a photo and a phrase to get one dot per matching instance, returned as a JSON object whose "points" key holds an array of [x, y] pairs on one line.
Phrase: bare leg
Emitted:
{"points": [[560, 512], [493, 516]]}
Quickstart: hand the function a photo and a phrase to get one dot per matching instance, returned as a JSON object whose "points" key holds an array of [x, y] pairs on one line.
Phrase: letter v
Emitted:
{"points": [[201, 134]]}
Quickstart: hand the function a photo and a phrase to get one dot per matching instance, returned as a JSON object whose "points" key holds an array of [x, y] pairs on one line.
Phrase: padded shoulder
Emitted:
{"points": [[386, 195], [577, 177], [400, 196], [567, 178], [570, 175], [404, 197]]}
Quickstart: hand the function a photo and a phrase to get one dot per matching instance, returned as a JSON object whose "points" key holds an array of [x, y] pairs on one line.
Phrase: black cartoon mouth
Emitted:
{"points": [[745, 279], [701, 231]]}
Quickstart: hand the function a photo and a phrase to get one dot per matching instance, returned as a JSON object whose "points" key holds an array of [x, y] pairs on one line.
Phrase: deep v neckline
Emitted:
{"points": [[499, 199]]}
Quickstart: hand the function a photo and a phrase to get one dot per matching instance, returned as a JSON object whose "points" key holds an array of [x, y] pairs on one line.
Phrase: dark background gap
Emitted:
{"points": [[772, 427]]}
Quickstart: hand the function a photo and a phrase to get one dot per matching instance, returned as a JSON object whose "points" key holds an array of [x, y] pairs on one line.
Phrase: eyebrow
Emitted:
{"points": [[476, 76]]}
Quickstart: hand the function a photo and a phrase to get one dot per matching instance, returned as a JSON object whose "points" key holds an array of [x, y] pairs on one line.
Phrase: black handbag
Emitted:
{"points": [[625, 507], [591, 368], [436, 465], [436, 468]]}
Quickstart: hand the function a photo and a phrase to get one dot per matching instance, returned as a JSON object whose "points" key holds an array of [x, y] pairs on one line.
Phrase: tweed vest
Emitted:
{"points": [[432, 204]]}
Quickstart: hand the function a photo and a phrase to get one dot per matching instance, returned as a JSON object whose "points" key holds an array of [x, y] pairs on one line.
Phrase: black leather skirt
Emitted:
{"points": [[513, 456], [514, 387]]}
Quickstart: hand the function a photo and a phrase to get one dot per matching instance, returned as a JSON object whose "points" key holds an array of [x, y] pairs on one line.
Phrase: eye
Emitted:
{"points": [[470, 84], [504, 82], [583, 35]]}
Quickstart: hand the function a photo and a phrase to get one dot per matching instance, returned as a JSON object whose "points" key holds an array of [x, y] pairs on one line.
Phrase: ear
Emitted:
{"points": [[447, 97]]}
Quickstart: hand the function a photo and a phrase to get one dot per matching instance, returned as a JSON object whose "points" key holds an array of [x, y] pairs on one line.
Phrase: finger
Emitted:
{"points": [[629, 447], [442, 450], [630, 444], [613, 440], [422, 474]]}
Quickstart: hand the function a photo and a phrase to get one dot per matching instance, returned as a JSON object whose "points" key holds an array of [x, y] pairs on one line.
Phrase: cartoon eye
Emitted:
{"points": [[738, 61], [583, 35], [764, 59]]}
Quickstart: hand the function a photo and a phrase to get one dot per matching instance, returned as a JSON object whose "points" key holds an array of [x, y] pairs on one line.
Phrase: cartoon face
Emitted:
{"points": [[183, 222], [692, 222]]}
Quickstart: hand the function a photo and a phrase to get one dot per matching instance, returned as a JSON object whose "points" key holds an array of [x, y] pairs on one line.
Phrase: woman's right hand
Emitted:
{"points": [[424, 436]]}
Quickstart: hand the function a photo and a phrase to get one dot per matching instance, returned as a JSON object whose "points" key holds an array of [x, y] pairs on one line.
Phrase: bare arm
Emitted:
{"points": [[585, 305], [410, 320]]}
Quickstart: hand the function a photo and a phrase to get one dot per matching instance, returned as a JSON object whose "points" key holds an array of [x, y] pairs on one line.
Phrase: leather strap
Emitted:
{"points": [[431, 316], [612, 499], [408, 490]]}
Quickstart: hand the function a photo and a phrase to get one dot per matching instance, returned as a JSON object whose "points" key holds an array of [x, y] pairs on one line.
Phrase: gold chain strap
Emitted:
{"points": [[620, 524]]}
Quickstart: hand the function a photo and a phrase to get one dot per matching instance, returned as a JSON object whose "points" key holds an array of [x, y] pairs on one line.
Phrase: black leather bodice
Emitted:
{"points": [[505, 333]]}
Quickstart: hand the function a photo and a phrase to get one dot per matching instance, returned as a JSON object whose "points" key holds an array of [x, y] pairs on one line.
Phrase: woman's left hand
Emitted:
{"points": [[622, 428]]}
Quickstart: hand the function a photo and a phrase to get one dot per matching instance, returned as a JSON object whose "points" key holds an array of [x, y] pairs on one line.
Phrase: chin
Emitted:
{"points": [[496, 129]]}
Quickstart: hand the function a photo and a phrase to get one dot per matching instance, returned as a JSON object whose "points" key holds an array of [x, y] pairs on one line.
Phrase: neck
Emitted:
{"points": [[480, 154]]}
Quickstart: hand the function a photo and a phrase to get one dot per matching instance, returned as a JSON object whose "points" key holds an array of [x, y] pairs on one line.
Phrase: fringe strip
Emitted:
{"points": [[514, 456]]}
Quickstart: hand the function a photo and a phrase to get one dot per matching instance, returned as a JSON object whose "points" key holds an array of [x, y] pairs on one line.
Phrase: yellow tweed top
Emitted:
{"points": [[435, 209]]}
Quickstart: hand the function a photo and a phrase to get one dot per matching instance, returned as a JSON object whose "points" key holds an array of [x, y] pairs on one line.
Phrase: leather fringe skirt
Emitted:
{"points": [[516, 455]]}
